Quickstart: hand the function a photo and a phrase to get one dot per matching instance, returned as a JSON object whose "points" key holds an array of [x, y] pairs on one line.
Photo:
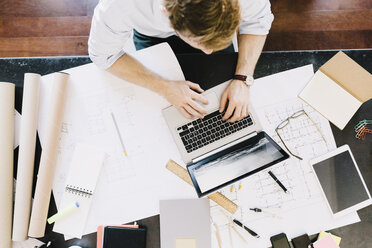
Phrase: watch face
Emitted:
{"points": [[249, 80]]}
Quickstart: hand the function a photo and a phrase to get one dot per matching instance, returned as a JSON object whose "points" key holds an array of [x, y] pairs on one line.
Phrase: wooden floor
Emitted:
{"points": [[61, 27]]}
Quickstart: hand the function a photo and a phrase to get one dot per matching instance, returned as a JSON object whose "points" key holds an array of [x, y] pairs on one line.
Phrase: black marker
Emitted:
{"points": [[278, 182], [246, 228]]}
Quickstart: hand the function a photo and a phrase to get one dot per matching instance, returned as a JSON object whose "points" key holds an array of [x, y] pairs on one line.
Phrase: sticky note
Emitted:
{"points": [[335, 238], [185, 243], [326, 242]]}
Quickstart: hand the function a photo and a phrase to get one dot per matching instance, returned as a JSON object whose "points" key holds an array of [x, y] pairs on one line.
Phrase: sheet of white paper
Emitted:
{"points": [[129, 187], [82, 178], [29, 243], [303, 210]]}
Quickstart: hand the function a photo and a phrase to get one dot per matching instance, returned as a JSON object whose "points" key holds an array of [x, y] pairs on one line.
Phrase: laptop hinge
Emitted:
{"points": [[221, 148]]}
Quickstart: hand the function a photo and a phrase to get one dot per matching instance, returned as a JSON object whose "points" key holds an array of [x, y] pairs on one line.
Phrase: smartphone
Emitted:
{"points": [[280, 241], [302, 241]]}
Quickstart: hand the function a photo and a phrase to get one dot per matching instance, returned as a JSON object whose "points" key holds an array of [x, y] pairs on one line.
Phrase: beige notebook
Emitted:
{"points": [[338, 89]]}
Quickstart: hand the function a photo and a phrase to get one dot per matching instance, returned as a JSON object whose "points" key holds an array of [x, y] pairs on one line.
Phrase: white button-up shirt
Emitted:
{"points": [[114, 20]]}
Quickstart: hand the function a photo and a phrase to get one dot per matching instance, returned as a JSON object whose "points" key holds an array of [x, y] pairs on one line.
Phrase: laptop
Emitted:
{"points": [[218, 153]]}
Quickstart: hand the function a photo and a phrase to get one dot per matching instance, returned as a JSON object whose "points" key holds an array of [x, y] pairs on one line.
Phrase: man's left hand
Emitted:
{"points": [[237, 96]]}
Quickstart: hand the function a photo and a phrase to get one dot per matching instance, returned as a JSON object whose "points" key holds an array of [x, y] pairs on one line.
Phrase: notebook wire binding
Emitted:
{"points": [[79, 191]]}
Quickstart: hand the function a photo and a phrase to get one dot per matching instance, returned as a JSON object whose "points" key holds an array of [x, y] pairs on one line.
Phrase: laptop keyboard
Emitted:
{"points": [[201, 132]]}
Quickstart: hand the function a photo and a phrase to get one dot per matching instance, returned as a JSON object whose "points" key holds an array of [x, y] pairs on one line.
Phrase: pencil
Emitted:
{"points": [[117, 130]]}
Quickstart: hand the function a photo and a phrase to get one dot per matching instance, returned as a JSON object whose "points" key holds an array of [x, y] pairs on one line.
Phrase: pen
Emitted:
{"points": [[278, 182], [259, 210], [246, 228], [117, 130]]}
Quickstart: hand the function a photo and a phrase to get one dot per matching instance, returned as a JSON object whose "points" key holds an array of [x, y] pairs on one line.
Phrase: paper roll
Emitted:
{"points": [[26, 156], [48, 156], [7, 91]]}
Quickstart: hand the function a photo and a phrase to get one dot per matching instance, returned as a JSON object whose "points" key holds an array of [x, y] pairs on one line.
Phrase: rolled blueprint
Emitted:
{"points": [[7, 91], [48, 156], [26, 156]]}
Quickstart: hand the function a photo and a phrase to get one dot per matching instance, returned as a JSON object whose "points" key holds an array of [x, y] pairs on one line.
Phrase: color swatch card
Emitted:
{"points": [[80, 185]]}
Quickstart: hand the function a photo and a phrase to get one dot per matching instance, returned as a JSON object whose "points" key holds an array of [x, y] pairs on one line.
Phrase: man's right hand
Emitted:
{"points": [[181, 94]]}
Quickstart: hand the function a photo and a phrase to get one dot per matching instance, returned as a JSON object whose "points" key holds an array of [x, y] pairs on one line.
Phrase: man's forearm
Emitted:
{"points": [[250, 48], [129, 69]]}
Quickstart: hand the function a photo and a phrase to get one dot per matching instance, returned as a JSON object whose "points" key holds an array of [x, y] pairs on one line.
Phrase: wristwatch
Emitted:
{"points": [[247, 79]]}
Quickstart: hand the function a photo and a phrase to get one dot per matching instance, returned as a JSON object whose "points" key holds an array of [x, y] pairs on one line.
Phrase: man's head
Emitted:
{"points": [[208, 25]]}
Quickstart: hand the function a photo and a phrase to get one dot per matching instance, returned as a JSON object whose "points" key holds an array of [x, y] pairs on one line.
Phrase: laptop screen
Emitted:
{"points": [[235, 163]]}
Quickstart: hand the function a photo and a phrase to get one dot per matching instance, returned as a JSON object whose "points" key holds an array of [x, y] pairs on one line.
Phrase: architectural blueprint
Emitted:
{"points": [[302, 209], [130, 187]]}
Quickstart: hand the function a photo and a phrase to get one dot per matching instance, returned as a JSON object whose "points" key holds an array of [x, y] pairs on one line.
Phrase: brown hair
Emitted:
{"points": [[212, 22]]}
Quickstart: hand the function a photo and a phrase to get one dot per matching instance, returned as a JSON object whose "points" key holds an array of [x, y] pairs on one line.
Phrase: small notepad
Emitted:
{"points": [[80, 185]]}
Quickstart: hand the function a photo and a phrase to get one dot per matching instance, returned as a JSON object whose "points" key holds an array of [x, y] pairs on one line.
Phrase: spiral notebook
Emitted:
{"points": [[80, 185]]}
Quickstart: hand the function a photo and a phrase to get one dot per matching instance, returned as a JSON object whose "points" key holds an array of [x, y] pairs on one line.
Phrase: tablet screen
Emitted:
{"points": [[341, 182], [235, 163]]}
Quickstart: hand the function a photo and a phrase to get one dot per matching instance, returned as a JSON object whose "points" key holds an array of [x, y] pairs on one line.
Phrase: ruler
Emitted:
{"points": [[217, 197]]}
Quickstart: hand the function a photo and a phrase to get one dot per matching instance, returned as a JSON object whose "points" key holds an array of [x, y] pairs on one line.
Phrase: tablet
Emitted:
{"points": [[235, 163], [341, 182]]}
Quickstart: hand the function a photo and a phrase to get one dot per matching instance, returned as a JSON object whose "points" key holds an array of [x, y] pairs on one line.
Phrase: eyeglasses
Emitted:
{"points": [[285, 123]]}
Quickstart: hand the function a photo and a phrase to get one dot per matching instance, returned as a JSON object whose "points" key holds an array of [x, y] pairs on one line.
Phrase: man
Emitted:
{"points": [[188, 26]]}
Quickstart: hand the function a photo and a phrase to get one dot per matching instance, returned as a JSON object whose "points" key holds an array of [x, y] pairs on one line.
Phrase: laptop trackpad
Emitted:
{"points": [[213, 102]]}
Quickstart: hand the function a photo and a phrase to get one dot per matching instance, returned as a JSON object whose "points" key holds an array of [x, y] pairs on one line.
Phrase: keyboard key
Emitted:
{"points": [[184, 133]]}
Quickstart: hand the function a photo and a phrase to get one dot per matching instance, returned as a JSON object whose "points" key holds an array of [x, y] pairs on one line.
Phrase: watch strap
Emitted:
{"points": [[240, 77]]}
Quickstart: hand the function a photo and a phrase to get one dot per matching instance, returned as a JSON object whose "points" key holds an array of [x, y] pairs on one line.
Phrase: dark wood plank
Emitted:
{"points": [[323, 20], [317, 40], [44, 26], [43, 46], [318, 5], [43, 8]]}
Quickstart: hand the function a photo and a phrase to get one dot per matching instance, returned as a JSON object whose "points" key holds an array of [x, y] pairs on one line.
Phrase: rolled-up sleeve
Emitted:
{"points": [[256, 17], [109, 32]]}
